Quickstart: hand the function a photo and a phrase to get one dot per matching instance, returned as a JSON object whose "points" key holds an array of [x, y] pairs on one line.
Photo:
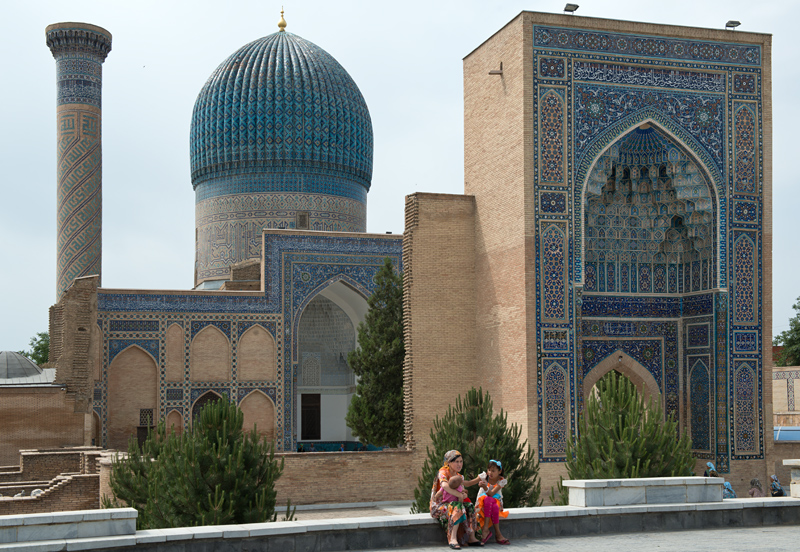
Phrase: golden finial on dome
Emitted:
{"points": [[282, 22]]}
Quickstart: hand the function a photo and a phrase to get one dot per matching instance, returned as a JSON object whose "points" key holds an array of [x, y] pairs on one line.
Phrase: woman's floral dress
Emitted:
{"points": [[450, 514]]}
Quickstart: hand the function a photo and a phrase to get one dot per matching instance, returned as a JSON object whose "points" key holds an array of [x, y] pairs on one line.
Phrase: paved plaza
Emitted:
{"points": [[762, 539]]}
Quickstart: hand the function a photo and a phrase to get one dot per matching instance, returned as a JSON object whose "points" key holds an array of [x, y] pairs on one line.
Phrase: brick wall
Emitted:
{"points": [[37, 417], [331, 477], [439, 309], [73, 492], [38, 466], [498, 123], [73, 320], [328, 477]]}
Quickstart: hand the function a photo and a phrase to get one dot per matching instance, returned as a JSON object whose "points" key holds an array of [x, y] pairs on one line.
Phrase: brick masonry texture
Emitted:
{"points": [[507, 287], [533, 135], [72, 492]]}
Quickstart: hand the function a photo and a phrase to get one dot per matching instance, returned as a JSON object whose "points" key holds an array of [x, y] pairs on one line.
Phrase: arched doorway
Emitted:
{"points": [[326, 334], [627, 366], [203, 400]]}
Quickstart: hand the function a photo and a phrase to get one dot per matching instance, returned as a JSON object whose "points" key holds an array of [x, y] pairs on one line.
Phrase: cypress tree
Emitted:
{"points": [[621, 436], [214, 474], [375, 414], [472, 428]]}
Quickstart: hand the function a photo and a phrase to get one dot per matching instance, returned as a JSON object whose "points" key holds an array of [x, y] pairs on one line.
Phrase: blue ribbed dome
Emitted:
{"points": [[284, 107]]}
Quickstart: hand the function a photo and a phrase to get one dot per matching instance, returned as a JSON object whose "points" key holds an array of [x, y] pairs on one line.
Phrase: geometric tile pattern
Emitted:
{"points": [[789, 376], [661, 149], [744, 272], [79, 195], [645, 46], [744, 83], [79, 54], [745, 410], [552, 68], [721, 382], [229, 226], [553, 264], [552, 125], [698, 336], [700, 405], [744, 139], [555, 410], [133, 326], [553, 202]]}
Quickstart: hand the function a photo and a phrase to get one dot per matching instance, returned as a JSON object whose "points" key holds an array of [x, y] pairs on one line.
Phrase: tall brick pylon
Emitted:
{"points": [[80, 50]]}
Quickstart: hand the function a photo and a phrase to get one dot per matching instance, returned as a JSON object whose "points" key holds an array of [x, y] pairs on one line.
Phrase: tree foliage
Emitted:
{"points": [[40, 348], [214, 474], [621, 436], [472, 428], [790, 340], [375, 414]]}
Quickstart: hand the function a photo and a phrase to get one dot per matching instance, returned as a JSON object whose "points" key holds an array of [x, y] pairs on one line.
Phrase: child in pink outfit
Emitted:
{"points": [[455, 482]]}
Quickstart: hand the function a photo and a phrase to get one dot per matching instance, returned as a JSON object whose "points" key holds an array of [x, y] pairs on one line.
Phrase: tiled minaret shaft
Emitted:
{"points": [[80, 50]]}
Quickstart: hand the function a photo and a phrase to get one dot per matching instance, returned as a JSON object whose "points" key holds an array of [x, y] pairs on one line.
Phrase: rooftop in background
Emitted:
{"points": [[787, 433], [16, 369], [14, 365]]}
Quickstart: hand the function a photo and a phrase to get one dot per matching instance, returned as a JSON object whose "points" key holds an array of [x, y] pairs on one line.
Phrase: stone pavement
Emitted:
{"points": [[751, 539]]}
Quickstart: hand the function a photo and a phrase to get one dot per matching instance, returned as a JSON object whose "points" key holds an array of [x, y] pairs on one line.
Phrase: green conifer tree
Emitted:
{"points": [[375, 414], [214, 474], [789, 340], [480, 435], [621, 436]]}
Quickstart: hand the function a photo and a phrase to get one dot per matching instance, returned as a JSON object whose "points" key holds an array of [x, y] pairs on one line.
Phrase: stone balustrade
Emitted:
{"points": [[644, 490]]}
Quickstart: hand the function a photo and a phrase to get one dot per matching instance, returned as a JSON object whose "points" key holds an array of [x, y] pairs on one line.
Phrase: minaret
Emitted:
{"points": [[80, 50]]}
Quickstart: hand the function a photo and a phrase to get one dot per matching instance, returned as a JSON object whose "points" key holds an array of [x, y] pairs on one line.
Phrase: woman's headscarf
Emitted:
{"points": [[728, 492], [449, 456], [711, 466], [757, 484]]}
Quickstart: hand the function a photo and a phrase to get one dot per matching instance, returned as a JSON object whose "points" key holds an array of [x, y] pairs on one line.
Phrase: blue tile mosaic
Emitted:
{"points": [[643, 46]]}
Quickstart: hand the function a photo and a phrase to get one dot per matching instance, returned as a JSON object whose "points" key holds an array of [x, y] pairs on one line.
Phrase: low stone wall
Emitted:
{"points": [[67, 492], [389, 532], [644, 490], [26, 530]]}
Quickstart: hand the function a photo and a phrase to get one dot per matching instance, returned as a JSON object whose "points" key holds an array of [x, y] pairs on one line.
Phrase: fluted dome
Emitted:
{"points": [[282, 105], [281, 138], [14, 365]]}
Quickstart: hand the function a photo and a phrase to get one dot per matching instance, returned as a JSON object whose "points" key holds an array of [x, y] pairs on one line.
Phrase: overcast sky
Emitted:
{"points": [[405, 58]]}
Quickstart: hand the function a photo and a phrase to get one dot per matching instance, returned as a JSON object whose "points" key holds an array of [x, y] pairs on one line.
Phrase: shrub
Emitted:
{"points": [[214, 474], [472, 428]]}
